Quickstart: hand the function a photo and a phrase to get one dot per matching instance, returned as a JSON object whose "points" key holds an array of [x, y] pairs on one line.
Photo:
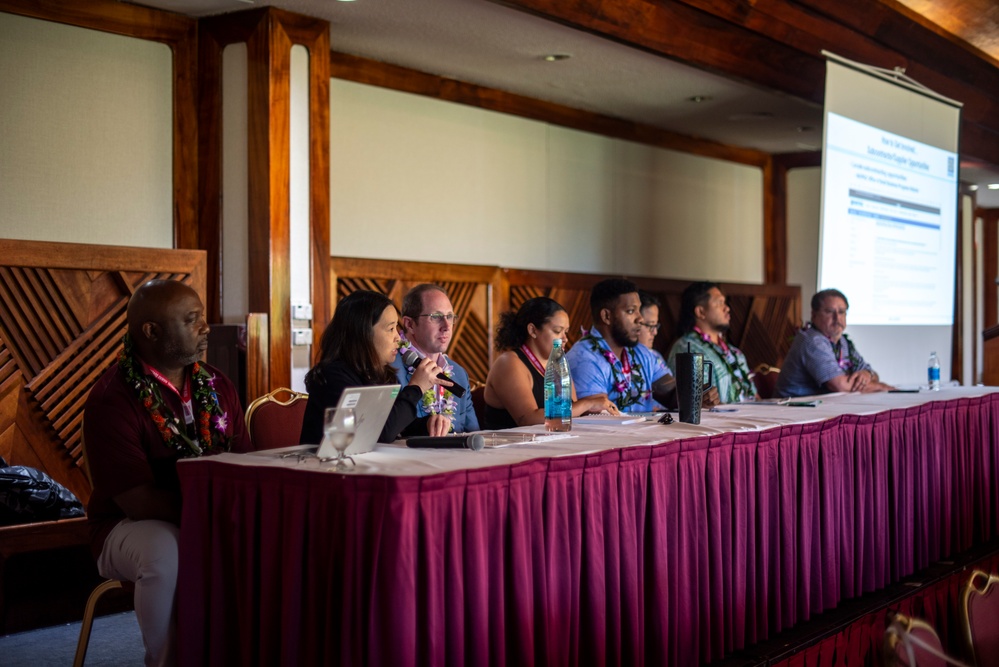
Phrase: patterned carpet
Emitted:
{"points": [[114, 642]]}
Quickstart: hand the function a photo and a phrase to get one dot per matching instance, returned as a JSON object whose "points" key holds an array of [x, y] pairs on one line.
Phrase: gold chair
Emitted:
{"points": [[910, 642], [274, 422], [980, 618], [88, 616]]}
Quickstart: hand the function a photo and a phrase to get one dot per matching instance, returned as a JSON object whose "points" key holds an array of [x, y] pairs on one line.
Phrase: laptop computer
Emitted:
{"points": [[371, 409]]}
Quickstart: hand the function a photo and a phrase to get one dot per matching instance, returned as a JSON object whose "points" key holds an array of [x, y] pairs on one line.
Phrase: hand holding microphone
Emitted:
{"points": [[425, 367]]}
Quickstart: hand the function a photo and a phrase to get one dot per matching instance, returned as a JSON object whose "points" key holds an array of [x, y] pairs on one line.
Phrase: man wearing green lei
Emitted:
{"points": [[704, 319], [158, 404]]}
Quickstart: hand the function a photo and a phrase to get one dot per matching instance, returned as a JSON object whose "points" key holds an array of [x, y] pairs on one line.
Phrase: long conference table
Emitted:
{"points": [[622, 545]]}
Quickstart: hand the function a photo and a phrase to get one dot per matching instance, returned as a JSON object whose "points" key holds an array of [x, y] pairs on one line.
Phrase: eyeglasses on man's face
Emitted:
{"points": [[437, 318], [654, 328]]}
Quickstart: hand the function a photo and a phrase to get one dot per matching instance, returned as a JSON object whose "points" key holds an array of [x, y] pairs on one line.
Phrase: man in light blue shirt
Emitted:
{"points": [[608, 360], [427, 322]]}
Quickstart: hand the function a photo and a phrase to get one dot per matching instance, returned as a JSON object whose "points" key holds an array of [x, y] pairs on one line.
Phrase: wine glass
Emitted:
{"points": [[339, 427]]}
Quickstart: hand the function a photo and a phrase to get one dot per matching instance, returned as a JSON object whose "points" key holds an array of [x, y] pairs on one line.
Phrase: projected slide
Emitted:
{"points": [[889, 221]]}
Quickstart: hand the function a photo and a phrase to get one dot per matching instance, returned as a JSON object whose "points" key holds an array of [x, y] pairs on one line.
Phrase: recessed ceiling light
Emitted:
{"points": [[699, 98], [972, 187], [556, 57], [993, 186]]}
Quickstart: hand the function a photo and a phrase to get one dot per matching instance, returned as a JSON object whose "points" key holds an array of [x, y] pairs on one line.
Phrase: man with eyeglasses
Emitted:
{"points": [[427, 322], [650, 322], [822, 359], [704, 319]]}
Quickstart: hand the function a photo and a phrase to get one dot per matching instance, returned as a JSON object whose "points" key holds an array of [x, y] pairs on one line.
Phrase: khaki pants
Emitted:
{"points": [[145, 552]]}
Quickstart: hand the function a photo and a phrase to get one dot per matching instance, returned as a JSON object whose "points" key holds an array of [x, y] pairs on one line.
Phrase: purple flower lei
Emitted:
{"points": [[629, 387]]}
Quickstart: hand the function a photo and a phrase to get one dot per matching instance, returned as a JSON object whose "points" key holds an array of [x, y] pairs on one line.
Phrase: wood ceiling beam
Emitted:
{"points": [[687, 34], [777, 44]]}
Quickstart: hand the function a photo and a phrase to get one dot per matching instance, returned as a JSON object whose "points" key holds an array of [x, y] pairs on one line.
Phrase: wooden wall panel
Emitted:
{"points": [[470, 289], [62, 316], [269, 34], [765, 318]]}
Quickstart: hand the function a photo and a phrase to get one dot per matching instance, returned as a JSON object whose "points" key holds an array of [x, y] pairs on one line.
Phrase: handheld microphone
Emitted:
{"points": [[473, 441], [411, 358]]}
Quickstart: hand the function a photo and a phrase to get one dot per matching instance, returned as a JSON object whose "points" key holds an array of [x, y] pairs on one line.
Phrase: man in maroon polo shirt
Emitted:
{"points": [[156, 405]]}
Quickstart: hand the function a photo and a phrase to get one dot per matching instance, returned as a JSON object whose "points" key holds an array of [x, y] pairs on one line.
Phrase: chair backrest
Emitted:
{"points": [[479, 404], [980, 615], [275, 419], [765, 378], [910, 642]]}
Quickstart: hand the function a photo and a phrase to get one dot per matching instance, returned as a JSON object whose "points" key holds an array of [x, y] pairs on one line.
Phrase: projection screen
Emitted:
{"points": [[888, 227]]}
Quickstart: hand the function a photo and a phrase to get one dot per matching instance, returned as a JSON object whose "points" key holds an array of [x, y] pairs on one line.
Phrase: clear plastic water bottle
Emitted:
{"points": [[558, 390], [933, 372]]}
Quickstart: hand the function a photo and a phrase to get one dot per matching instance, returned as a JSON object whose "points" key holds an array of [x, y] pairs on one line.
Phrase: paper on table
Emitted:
{"points": [[507, 438], [609, 419]]}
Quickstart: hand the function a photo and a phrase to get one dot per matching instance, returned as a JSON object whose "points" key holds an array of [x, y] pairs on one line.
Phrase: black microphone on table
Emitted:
{"points": [[411, 358], [473, 441]]}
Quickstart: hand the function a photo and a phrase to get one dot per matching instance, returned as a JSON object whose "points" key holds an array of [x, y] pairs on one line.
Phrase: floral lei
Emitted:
{"points": [[171, 428], [741, 381], [852, 361], [434, 400], [630, 387]]}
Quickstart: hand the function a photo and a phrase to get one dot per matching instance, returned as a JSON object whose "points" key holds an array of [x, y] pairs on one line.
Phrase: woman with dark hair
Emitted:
{"points": [[515, 387], [356, 349]]}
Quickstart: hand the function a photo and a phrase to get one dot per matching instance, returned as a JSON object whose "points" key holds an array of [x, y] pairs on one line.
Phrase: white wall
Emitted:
{"points": [[804, 204], [85, 136], [414, 178], [301, 240]]}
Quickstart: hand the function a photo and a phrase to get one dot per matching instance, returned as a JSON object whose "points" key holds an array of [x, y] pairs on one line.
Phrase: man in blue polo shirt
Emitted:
{"points": [[822, 358], [609, 360]]}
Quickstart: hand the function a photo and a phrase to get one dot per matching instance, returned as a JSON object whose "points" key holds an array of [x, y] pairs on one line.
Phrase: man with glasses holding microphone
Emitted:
{"points": [[427, 323]]}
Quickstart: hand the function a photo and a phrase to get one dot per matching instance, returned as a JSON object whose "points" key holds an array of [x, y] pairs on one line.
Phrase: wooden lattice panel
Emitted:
{"points": [[575, 301], [62, 316], [468, 288], [764, 317]]}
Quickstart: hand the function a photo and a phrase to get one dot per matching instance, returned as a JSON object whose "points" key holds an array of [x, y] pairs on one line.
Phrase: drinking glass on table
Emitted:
{"points": [[339, 427]]}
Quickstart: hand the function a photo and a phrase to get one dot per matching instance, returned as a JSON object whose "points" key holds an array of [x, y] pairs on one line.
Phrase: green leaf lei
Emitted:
{"points": [[742, 386], [209, 414], [852, 356], [433, 400]]}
